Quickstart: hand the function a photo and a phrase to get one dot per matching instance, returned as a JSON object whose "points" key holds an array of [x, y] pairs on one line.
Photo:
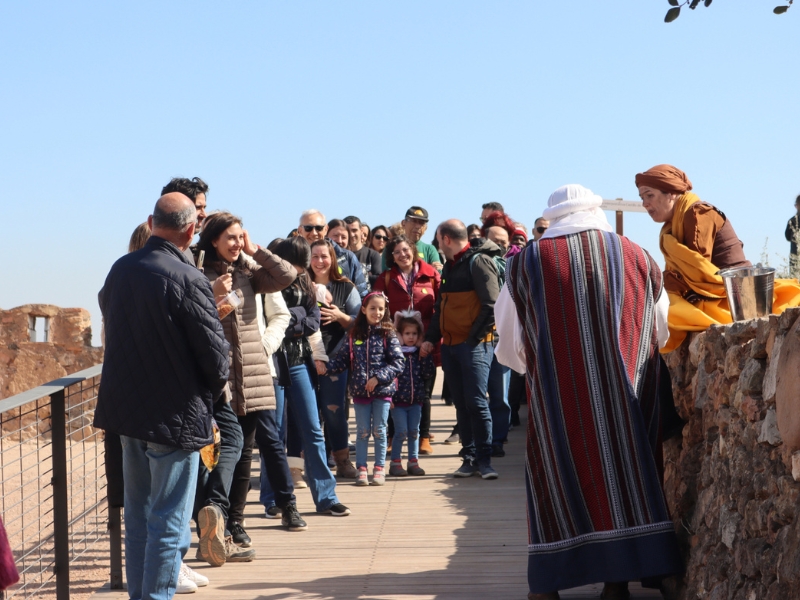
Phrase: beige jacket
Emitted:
{"points": [[250, 371]]}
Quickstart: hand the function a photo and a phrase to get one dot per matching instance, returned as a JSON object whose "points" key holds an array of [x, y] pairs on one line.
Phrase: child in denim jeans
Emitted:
{"points": [[410, 394], [373, 355]]}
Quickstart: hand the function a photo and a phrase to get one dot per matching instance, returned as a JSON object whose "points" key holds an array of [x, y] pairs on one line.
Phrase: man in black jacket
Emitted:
{"points": [[464, 320], [166, 362]]}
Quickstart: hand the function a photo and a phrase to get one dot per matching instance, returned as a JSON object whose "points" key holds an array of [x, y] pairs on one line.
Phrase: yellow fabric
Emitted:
{"points": [[701, 276]]}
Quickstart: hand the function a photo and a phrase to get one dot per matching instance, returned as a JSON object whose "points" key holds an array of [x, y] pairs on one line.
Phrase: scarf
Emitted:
{"points": [[573, 208]]}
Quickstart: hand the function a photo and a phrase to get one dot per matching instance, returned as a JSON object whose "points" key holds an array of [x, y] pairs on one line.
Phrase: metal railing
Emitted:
{"points": [[53, 486]]}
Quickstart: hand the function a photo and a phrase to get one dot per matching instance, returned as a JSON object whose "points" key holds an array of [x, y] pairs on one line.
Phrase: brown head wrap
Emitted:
{"points": [[664, 178]]}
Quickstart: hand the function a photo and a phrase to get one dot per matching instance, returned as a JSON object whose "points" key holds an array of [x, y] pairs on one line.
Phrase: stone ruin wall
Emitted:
{"points": [[732, 484], [25, 364]]}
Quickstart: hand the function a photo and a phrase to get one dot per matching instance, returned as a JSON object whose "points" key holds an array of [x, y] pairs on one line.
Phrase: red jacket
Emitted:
{"points": [[423, 294]]}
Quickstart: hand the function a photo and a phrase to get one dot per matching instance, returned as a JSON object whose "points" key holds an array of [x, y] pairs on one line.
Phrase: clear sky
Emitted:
{"points": [[369, 107]]}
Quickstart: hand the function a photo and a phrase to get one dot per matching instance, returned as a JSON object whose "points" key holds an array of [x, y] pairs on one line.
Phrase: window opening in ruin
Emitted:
{"points": [[39, 328]]}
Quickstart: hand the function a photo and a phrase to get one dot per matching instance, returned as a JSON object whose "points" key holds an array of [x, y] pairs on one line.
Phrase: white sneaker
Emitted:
{"points": [[198, 579], [185, 584]]}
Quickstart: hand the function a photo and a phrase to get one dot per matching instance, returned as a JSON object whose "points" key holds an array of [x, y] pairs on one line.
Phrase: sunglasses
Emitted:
{"points": [[541, 229], [380, 237], [310, 228]]}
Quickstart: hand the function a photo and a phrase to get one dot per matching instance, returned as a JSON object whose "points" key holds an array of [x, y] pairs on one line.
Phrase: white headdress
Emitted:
{"points": [[573, 208]]}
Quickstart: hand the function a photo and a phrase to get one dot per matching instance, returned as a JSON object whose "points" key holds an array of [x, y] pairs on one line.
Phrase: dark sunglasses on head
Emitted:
{"points": [[310, 228], [378, 236], [541, 229]]}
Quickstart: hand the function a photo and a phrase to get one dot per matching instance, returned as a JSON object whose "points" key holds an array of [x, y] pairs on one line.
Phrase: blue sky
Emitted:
{"points": [[369, 107]]}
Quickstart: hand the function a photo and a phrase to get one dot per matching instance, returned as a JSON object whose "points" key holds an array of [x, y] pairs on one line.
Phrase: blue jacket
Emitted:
{"points": [[166, 357], [411, 382], [351, 268], [378, 356]]}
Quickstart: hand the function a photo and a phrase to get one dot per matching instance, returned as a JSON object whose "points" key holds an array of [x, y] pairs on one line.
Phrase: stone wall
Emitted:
{"points": [[25, 364], [731, 481]]}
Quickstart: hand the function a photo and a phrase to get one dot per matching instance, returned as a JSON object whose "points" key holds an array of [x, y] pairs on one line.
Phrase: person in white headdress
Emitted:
{"points": [[583, 314]]}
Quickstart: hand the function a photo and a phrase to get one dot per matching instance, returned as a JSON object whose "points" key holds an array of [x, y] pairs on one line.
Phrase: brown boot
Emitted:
{"points": [[425, 446], [344, 468], [547, 596]]}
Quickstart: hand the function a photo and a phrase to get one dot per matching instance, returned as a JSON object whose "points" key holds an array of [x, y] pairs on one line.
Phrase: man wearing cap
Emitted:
{"points": [[414, 225]]}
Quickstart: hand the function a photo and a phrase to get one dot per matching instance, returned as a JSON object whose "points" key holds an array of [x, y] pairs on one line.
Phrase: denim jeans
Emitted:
{"points": [[303, 412], [371, 419], [406, 427], [214, 487], [261, 428], [499, 380], [331, 400], [159, 491], [467, 372]]}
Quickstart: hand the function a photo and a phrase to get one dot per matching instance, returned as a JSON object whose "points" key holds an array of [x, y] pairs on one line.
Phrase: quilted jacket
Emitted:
{"points": [[250, 374], [411, 381], [378, 356], [166, 358]]}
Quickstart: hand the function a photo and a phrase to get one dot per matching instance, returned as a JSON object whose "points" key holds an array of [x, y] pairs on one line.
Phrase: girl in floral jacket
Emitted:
{"points": [[373, 356]]}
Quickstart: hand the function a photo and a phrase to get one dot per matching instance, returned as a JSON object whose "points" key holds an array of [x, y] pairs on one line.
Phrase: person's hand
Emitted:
{"points": [[222, 285], [249, 247], [371, 383], [322, 368], [333, 315], [437, 265], [425, 349]]}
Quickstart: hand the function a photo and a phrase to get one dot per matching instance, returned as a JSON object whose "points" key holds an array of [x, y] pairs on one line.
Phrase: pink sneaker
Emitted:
{"points": [[361, 478], [378, 476]]}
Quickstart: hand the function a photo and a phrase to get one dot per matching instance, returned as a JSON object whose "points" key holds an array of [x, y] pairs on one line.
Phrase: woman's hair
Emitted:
{"points": [[214, 226], [334, 274], [360, 330], [295, 251], [394, 243], [404, 318], [372, 233], [395, 230], [473, 229], [139, 237], [498, 219], [334, 223]]}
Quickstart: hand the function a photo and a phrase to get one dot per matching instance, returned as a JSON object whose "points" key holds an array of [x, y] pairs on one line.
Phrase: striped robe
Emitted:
{"points": [[596, 509]]}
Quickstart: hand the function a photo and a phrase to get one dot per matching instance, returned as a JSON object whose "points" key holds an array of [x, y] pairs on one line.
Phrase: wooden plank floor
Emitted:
{"points": [[420, 538]]}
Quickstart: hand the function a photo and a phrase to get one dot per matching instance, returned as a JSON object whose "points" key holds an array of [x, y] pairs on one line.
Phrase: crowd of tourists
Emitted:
{"points": [[216, 345]]}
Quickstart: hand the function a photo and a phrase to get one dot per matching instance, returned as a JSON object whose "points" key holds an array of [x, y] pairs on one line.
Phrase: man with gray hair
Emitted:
{"points": [[313, 227], [166, 362]]}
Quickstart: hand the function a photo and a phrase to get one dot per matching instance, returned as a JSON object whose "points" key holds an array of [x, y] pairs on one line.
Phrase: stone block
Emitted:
{"points": [[769, 429], [735, 359], [770, 383], [787, 319], [796, 466], [752, 377]]}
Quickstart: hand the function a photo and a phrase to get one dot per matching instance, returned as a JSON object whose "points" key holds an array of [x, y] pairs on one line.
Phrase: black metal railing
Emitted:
{"points": [[53, 487]]}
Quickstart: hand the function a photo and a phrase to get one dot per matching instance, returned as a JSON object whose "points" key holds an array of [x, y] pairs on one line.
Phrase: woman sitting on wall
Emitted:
{"points": [[697, 241]]}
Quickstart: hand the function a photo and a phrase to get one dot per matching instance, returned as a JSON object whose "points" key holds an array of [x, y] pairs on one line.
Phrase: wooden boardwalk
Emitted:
{"points": [[420, 538]]}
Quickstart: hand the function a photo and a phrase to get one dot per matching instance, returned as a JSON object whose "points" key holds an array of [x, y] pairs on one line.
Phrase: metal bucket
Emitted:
{"points": [[749, 291]]}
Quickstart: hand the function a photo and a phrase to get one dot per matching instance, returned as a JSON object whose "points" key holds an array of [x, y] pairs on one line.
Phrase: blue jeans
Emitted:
{"points": [[331, 400], [371, 419], [159, 492], [499, 379], [467, 371], [303, 412], [406, 427]]}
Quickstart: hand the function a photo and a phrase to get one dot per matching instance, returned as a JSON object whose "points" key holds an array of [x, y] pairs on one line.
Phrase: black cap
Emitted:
{"points": [[417, 212]]}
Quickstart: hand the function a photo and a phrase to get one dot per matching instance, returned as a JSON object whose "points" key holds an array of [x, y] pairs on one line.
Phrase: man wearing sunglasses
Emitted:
{"points": [[313, 227], [539, 227]]}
